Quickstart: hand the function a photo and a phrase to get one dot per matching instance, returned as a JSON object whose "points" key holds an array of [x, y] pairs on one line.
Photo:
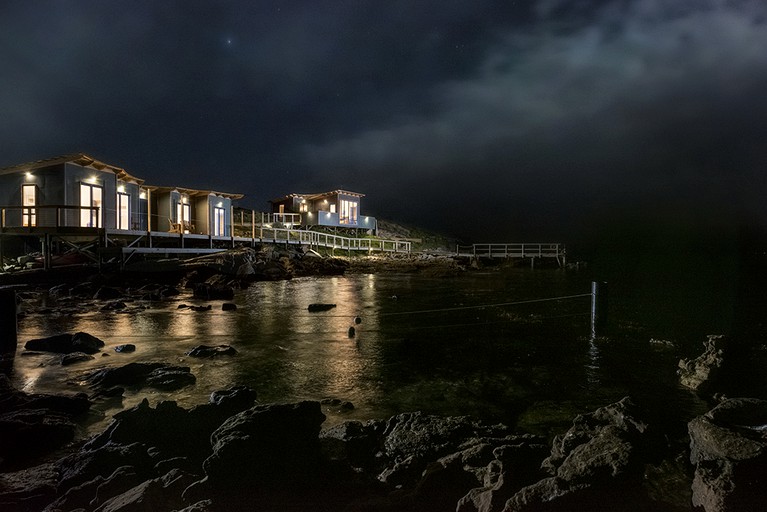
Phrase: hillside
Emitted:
{"points": [[423, 240]]}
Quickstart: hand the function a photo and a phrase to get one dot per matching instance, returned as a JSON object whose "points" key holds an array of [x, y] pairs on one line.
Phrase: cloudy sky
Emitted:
{"points": [[502, 120]]}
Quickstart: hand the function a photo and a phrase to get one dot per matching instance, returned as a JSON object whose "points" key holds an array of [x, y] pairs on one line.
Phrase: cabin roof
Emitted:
{"points": [[315, 196], [193, 192], [76, 158]]}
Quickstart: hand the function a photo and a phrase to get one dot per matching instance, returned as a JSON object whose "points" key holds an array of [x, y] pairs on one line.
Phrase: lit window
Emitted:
{"points": [[28, 198]]}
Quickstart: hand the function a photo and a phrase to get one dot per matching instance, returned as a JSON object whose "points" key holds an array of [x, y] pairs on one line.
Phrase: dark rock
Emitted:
{"points": [[228, 306], [209, 351], [174, 431], [29, 432], [107, 293], [201, 308], [701, 374], [265, 453], [28, 490], [75, 357], [598, 462], [66, 343], [241, 397], [320, 307], [88, 464], [127, 347], [209, 291], [114, 306], [170, 378], [157, 375], [728, 447], [163, 493], [354, 442]]}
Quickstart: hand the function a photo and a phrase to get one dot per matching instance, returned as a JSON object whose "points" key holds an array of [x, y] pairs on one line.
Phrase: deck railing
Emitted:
{"points": [[48, 216]]}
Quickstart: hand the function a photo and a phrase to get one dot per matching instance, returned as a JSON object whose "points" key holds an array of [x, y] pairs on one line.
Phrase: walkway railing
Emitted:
{"points": [[516, 250], [317, 239]]}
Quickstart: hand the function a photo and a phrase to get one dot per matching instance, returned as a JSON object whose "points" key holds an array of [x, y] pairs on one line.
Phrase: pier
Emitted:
{"points": [[530, 251]]}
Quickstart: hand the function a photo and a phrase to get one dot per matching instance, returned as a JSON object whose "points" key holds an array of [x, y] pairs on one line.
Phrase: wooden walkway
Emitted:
{"points": [[514, 250]]}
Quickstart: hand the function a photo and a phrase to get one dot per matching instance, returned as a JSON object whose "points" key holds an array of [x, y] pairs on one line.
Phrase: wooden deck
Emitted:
{"points": [[99, 243]]}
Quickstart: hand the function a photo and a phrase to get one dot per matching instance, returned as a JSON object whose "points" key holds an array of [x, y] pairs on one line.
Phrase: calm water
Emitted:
{"points": [[423, 344]]}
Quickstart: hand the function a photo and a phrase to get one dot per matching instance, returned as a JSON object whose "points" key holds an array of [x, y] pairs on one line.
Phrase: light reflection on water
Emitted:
{"points": [[499, 363]]}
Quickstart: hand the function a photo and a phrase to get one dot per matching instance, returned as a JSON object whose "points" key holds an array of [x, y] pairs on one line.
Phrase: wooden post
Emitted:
{"points": [[8, 339], [598, 307]]}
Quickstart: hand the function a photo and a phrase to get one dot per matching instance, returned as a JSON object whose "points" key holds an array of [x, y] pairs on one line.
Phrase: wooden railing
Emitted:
{"points": [[47, 216], [315, 238], [515, 250]]}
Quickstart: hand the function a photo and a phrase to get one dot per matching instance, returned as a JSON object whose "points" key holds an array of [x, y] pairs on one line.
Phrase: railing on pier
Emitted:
{"points": [[517, 250]]}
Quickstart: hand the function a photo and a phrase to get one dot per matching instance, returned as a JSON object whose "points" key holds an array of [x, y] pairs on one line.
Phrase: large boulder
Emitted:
{"points": [[702, 373], [66, 343], [266, 453], [156, 375], [728, 447], [597, 463]]}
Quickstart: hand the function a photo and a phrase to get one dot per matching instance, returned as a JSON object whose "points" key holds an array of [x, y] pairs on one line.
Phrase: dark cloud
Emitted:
{"points": [[488, 118]]}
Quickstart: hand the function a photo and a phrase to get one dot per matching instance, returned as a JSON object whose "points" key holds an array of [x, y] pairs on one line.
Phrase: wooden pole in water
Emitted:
{"points": [[8, 339], [598, 307]]}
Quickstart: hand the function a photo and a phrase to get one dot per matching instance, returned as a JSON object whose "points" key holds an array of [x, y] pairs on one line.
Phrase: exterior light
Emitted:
{"points": [[121, 188], [220, 204], [142, 195], [367, 219], [327, 214], [325, 201], [28, 175]]}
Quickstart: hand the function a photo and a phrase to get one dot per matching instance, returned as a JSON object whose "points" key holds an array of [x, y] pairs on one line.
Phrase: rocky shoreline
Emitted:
{"points": [[235, 453]]}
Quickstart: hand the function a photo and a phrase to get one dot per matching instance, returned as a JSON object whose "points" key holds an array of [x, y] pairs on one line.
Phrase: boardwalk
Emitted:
{"points": [[514, 250]]}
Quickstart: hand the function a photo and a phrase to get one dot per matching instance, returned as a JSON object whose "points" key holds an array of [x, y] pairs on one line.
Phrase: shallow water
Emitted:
{"points": [[440, 345]]}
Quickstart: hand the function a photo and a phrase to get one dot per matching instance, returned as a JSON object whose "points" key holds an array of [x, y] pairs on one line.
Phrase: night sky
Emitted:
{"points": [[493, 120]]}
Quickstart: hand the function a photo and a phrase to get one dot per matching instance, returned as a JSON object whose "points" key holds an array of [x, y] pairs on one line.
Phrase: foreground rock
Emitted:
{"points": [[728, 446], [596, 465], [35, 424]]}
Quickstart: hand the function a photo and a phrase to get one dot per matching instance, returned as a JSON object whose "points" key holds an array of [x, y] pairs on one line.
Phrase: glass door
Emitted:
{"points": [[91, 201], [123, 211], [28, 198]]}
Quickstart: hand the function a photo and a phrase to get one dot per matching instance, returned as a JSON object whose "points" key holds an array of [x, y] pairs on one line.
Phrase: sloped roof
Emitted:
{"points": [[194, 192], [76, 158], [315, 196]]}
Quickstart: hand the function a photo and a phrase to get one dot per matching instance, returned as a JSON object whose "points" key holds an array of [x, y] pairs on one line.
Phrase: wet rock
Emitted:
{"points": [[127, 347], [75, 357], [114, 306], [209, 291], [212, 351], [170, 378], [238, 397], [66, 343], [728, 446], [313, 308], [701, 374], [228, 306], [157, 375]]}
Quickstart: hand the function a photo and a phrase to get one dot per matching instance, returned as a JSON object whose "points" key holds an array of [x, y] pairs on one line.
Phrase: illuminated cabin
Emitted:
{"points": [[337, 208], [78, 191]]}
